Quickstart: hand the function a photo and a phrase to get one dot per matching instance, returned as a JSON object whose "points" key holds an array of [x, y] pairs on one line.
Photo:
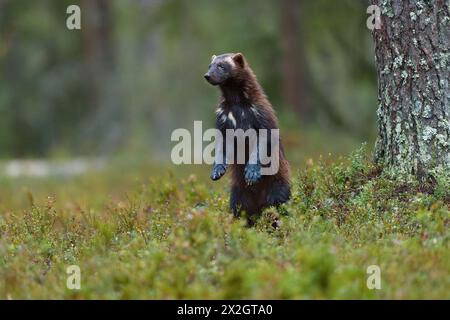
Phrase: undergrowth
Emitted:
{"points": [[174, 237]]}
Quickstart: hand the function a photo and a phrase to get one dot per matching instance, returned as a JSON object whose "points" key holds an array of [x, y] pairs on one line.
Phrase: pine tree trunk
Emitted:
{"points": [[292, 58], [413, 66]]}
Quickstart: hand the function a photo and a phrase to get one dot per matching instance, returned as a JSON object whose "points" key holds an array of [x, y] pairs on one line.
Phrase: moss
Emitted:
{"points": [[442, 139], [386, 8], [404, 76], [445, 21], [429, 133], [427, 112], [443, 59], [398, 62]]}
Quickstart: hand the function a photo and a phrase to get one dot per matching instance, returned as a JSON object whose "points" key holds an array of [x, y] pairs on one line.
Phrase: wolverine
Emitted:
{"points": [[244, 105]]}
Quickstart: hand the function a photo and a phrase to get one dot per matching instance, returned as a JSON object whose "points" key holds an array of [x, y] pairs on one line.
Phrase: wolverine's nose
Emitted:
{"points": [[207, 76]]}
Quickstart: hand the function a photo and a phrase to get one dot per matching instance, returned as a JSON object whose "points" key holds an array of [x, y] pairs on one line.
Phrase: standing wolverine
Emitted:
{"points": [[244, 105]]}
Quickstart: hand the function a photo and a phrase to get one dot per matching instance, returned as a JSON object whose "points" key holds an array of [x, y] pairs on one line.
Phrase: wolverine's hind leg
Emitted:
{"points": [[241, 201], [280, 192], [235, 204]]}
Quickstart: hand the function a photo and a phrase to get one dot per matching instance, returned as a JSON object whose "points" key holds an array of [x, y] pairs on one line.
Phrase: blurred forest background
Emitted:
{"points": [[134, 72]]}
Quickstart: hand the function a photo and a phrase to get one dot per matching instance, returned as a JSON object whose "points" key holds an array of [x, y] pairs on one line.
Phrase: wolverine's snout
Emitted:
{"points": [[210, 79]]}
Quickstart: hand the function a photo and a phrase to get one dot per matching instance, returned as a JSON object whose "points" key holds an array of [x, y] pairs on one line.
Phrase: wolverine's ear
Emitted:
{"points": [[238, 58], [213, 57]]}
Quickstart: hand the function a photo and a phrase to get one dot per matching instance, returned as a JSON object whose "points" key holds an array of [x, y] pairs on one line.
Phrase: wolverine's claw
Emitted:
{"points": [[218, 171], [252, 173]]}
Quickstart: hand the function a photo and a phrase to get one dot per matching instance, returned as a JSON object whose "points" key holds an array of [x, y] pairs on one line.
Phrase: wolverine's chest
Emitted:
{"points": [[236, 117]]}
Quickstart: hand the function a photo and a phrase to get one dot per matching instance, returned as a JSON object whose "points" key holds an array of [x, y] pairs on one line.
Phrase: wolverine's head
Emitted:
{"points": [[224, 67]]}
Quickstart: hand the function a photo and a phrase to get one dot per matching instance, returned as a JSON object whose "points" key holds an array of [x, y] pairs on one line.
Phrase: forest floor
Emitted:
{"points": [[157, 233]]}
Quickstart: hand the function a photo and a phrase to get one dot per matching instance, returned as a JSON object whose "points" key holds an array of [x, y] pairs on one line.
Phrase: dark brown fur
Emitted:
{"points": [[244, 97]]}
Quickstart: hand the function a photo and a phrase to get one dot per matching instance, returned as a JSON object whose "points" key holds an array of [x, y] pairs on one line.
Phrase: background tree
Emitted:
{"points": [[412, 58], [293, 58], [99, 63]]}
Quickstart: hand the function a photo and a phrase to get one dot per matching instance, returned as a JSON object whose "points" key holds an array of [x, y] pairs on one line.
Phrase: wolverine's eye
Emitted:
{"points": [[220, 66]]}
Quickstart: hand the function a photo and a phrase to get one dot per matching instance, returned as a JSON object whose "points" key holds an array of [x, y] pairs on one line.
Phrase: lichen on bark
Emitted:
{"points": [[413, 66]]}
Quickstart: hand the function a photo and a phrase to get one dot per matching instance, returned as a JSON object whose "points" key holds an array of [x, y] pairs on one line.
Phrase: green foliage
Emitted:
{"points": [[172, 236]]}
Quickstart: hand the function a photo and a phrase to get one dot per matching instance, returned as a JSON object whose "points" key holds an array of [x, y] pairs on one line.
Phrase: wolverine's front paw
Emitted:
{"points": [[252, 173], [218, 171]]}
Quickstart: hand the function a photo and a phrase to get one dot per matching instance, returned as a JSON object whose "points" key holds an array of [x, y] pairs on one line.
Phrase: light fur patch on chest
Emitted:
{"points": [[231, 118]]}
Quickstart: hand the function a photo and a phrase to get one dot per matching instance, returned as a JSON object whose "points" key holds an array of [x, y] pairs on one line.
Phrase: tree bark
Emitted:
{"points": [[413, 66]]}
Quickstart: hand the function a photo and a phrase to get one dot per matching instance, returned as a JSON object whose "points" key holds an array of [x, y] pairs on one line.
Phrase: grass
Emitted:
{"points": [[137, 234]]}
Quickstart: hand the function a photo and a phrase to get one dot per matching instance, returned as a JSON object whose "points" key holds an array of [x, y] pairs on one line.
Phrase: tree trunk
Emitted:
{"points": [[99, 64], [97, 46], [412, 58], [292, 60]]}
